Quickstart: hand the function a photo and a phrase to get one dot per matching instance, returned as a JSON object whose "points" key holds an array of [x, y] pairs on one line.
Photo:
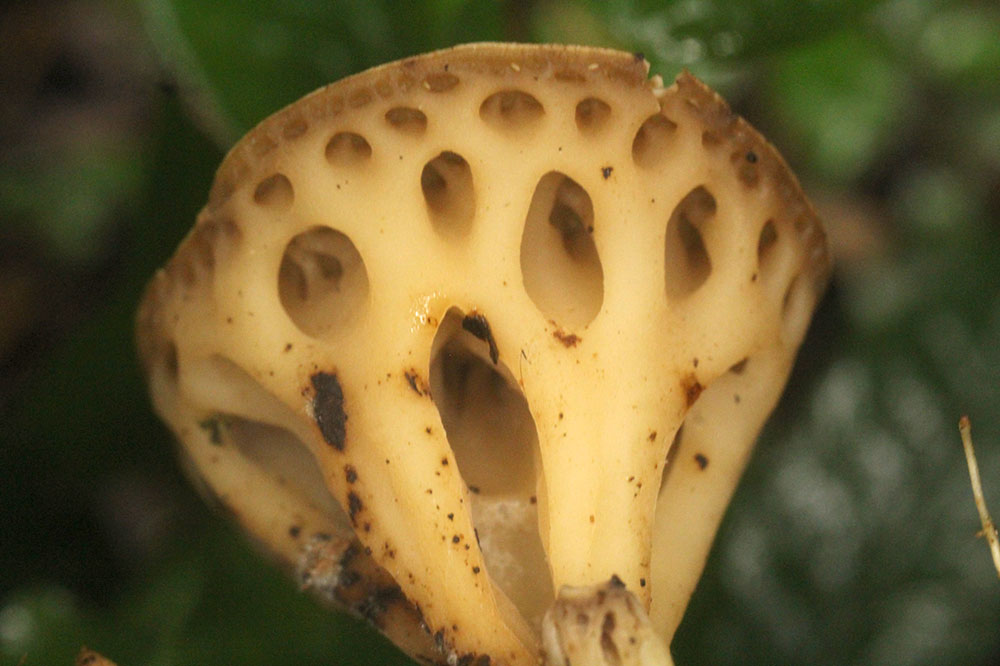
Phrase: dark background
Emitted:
{"points": [[851, 540]]}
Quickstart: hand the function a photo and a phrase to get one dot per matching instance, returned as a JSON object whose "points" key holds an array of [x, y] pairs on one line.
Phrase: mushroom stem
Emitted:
{"points": [[600, 625], [989, 529]]}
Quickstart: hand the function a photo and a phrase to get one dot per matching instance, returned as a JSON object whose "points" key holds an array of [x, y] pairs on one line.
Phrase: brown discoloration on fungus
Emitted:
{"points": [[477, 324], [566, 339], [374, 606], [603, 623], [692, 389], [354, 507], [328, 409], [417, 383], [343, 572]]}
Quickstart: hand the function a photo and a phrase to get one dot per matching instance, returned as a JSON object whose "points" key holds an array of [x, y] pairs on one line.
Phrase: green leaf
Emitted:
{"points": [[238, 62], [962, 45], [71, 199], [713, 37], [42, 625], [842, 99]]}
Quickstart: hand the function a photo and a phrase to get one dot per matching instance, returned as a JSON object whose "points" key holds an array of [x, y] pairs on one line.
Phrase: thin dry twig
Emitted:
{"points": [[989, 529]]}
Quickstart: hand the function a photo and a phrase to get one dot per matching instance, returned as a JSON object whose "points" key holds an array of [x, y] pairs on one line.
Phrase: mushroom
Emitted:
{"points": [[478, 330]]}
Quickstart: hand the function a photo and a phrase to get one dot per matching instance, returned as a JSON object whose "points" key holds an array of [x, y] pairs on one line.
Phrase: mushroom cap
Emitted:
{"points": [[466, 328]]}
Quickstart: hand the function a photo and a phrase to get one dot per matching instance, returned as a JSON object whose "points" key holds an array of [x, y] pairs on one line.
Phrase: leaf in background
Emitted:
{"points": [[238, 62], [962, 45], [842, 99], [220, 603], [571, 23], [74, 108], [83, 188], [43, 625], [216, 603], [714, 38]]}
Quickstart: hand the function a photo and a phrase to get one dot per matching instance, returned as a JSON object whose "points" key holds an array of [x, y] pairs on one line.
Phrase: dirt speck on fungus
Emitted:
{"points": [[328, 409]]}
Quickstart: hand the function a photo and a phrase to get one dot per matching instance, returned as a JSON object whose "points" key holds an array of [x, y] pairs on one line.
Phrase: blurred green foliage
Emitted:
{"points": [[247, 64], [850, 540]]}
